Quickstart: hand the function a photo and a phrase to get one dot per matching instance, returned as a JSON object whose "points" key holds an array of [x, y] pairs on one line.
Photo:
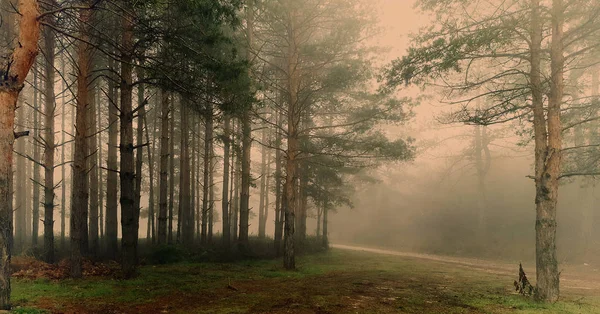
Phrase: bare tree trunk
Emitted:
{"points": [[151, 168], [79, 200], [319, 214], [267, 188], [11, 84], [225, 193], [194, 174], [302, 204], [49, 145], [325, 222], [171, 171], [21, 180], [211, 192], [293, 120], [36, 153], [547, 152], [548, 161], [111, 223], [235, 198], [139, 152], [164, 164], [129, 214], [263, 183], [93, 174], [197, 214], [278, 185], [208, 122], [246, 147], [100, 170], [63, 199], [184, 181]]}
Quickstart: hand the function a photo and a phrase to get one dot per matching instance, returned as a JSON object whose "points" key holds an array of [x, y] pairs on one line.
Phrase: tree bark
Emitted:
{"points": [[93, 173], [63, 199], [171, 171], [129, 214], [293, 119], [23, 57], [225, 193], [35, 204], [208, 134], [139, 152], [111, 221], [79, 200], [164, 164], [100, 171], [194, 176], [151, 154], [211, 192], [263, 184], [183, 235], [49, 145], [20, 185], [278, 235], [547, 177], [246, 147], [325, 226]]}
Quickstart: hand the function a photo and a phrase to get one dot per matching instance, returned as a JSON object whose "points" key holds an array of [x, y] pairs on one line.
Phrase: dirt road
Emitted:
{"points": [[583, 278]]}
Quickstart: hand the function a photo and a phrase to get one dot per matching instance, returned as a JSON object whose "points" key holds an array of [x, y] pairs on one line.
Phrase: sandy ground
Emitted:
{"points": [[583, 278]]}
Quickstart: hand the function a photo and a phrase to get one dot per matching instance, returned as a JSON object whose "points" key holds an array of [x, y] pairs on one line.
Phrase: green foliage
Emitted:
{"points": [[166, 254]]}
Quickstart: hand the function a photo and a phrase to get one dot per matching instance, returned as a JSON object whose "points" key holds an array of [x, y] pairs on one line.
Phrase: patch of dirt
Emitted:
{"points": [[573, 277]]}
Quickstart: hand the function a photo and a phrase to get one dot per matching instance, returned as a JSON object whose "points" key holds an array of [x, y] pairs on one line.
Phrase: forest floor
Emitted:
{"points": [[343, 280]]}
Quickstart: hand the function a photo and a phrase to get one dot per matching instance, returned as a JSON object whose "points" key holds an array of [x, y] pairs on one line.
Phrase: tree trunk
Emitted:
{"points": [[246, 147], [547, 152], [267, 188], [164, 164], [20, 185], [11, 84], [100, 171], [278, 191], [236, 196], [63, 199], [302, 204], [111, 223], [93, 174], [79, 200], [49, 146], [151, 160], [225, 193], [184, 181], [263, 184], [211, 200], [319, 214], [171, 171], [36, 151], [293, 120], [325, 222], [127, 169], [194, 176], [139, 152], [208, 122]]}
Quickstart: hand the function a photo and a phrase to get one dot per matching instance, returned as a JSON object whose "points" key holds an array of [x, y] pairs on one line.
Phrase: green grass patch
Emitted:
{"points": [[332, 282]]}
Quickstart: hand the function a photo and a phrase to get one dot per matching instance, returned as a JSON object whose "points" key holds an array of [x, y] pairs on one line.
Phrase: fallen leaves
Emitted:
{"points": [[31, 268]]}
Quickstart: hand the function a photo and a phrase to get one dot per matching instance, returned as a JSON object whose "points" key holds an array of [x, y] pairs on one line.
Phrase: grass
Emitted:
{"points": [[332, 282]]}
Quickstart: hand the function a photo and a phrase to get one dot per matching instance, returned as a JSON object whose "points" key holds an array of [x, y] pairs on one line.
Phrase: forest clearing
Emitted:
{"points": [[338, 281]]}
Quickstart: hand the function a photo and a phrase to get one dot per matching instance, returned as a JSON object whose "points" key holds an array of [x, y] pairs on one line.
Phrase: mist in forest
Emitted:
{"points": [[225, 130]]}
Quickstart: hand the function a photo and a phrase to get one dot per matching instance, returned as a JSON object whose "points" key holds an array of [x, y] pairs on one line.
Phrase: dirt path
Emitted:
{"points": [[573, 277]]}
